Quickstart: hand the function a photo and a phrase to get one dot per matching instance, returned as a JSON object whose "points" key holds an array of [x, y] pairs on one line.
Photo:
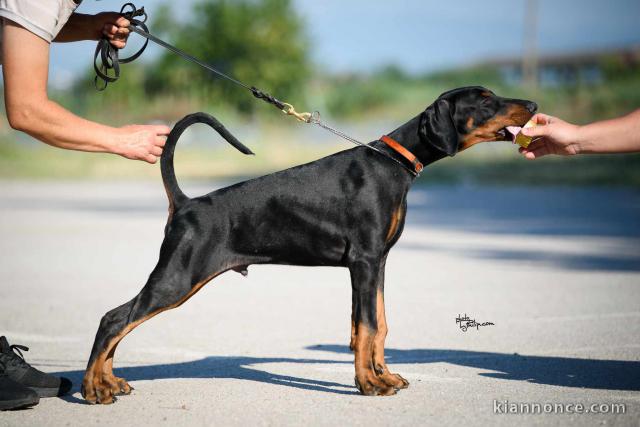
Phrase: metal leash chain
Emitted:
{"points": [[110, 61], [315, 119]]}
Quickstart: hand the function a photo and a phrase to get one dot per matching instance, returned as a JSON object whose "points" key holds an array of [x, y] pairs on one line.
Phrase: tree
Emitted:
{"points": [[259, 42]]}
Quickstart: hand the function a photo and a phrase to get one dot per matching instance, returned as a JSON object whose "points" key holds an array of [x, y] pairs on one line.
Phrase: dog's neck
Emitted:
{"points": [[408, 136]]}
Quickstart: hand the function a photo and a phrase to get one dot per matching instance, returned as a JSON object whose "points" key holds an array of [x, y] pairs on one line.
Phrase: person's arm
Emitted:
{"points": [[620, 135], [25, 69], [93, 27]]}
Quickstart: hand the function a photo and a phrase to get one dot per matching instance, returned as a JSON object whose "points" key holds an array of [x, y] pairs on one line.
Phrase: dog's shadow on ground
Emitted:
{"points": [[547, 370]]}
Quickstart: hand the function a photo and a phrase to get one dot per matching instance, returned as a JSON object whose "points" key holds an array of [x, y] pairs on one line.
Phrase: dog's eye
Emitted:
{"points": [[486, 101]]}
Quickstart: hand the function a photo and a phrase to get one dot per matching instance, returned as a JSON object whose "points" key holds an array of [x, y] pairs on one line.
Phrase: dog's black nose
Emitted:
{"points": [[532, 107]]}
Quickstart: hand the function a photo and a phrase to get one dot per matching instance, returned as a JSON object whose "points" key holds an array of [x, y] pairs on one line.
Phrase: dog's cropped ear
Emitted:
{"points": [[437, 128]]}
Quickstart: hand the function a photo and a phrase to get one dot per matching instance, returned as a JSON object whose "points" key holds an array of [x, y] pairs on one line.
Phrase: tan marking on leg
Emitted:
{"points": [[354, 334], [393, 380], [378, 340], [119, 386], [94, 389], [108, 377], [366, 379]]}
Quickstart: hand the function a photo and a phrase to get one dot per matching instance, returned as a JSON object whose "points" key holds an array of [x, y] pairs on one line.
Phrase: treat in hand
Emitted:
{"points": [[518, 137]]}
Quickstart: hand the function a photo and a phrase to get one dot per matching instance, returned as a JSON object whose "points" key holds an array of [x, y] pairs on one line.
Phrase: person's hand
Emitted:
{"points": [[551, 136], [142, 142], [112, 26]]}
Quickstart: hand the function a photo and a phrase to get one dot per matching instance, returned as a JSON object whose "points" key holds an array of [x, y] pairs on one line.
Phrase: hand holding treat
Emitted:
{"points": [[545, 134]]}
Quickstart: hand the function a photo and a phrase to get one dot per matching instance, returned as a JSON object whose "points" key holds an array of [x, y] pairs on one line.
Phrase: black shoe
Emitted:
{"points": [[21, 372], [14, 395]]}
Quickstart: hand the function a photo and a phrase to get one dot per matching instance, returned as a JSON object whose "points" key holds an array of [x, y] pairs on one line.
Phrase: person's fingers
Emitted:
{"points": [[160, 141], [537, 145], [161, 129], [543, 130], [532, 155], [118, 44], [109, 29], [118, 35], [536, 149], [541, 119], [121, 21], [526, 153], [537, 152], [156, 151], [122, 33], [112, 32], [150, 158]]}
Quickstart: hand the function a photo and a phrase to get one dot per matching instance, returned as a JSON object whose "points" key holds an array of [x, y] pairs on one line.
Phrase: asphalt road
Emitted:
{"points": [[556, 270]]}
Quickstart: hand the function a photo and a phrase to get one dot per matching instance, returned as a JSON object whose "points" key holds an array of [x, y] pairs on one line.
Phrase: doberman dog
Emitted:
{"points": [[344, 210]]}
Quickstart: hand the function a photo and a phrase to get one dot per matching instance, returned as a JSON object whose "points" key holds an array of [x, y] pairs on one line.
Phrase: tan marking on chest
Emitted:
{"points": [[396, 217]]}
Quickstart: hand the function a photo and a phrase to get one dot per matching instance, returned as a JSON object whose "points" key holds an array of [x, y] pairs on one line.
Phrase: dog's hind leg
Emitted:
{"points": [[99, 384], [172, 282]]}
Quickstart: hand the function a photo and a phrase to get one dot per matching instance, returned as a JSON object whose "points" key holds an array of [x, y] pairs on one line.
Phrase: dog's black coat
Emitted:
{"points": [[344, 210]]}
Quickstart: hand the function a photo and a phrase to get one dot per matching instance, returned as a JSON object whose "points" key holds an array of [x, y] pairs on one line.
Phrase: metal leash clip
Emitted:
{"points": [[289, 110]]}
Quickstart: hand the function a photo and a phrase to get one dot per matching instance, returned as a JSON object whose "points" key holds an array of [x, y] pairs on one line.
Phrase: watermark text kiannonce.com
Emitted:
{"points": [[507, 407]]}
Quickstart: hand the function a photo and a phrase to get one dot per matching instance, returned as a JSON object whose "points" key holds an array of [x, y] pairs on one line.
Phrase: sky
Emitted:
{"points": [[416, 35]]}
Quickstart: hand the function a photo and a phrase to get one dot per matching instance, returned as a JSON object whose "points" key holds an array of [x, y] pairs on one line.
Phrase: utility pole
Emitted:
{"points": [[530, 49]]}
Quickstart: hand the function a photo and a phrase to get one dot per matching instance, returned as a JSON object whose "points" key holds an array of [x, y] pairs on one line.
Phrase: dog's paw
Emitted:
{"points": [[370, 385], [105, 395], [119, 386], [96, 391], [123, 387], [394, 380]]}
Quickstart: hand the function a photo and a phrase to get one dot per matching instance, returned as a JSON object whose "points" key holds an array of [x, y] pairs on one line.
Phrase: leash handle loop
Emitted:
{"points": [[108, 54], [133, 12]]}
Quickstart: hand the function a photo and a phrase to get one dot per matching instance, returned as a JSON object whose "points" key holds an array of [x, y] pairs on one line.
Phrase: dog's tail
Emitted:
{"points": [[174, 193]]}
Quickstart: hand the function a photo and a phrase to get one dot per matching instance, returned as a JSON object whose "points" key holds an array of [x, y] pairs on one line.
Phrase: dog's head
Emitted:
{"points": [[466, 116]]}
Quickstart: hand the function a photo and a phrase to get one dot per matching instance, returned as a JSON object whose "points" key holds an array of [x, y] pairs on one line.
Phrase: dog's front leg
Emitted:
{"points": [[365, 280], [379, 364]]}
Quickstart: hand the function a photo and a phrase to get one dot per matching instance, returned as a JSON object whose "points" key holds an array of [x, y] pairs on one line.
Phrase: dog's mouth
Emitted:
{"points": [[509, 133], [504, 132], [512, 126], [512, 132]]}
